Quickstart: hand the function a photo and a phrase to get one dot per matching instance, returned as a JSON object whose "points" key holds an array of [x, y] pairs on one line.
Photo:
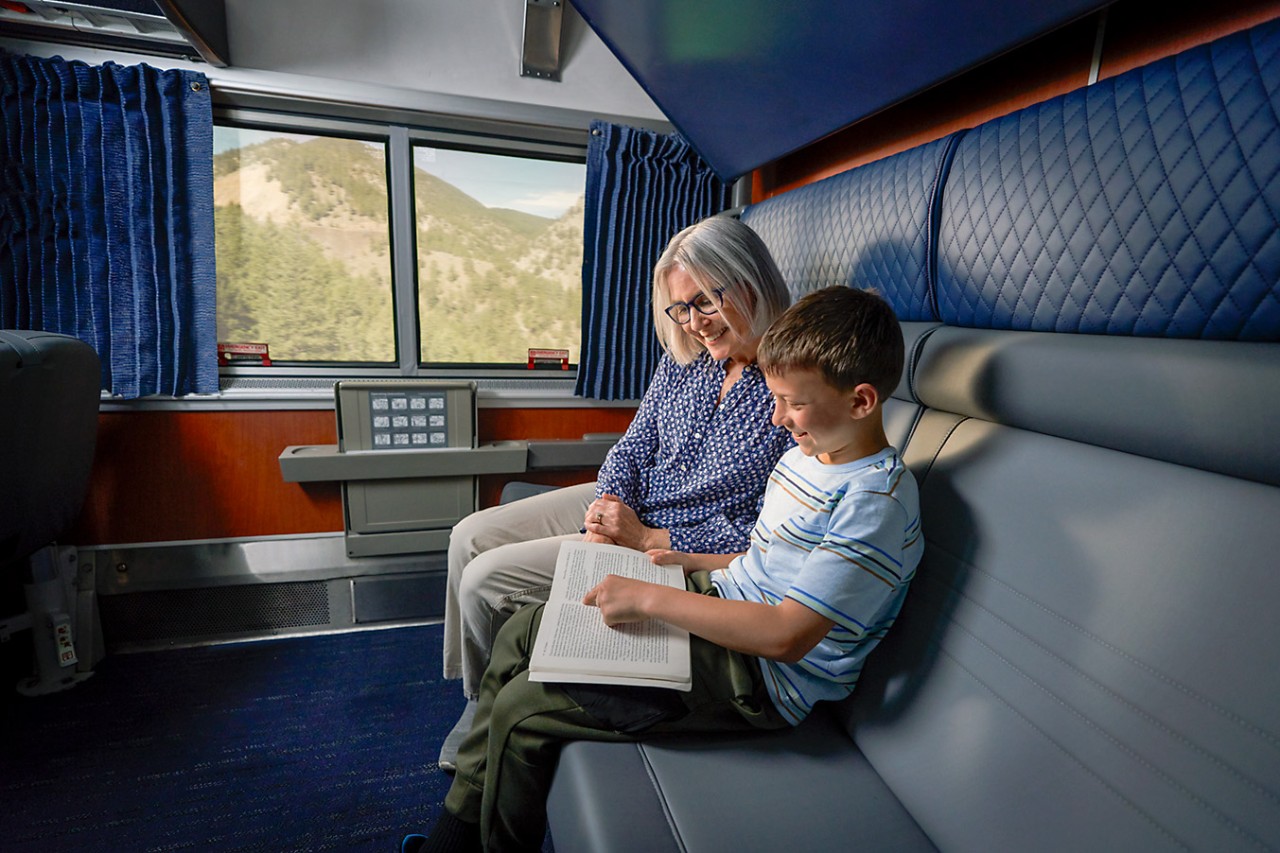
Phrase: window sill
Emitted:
{"points": [[293, 392]]}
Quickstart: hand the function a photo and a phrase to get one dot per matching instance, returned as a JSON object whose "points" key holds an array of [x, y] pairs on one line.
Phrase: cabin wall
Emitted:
{"points": [[471, 50], [422, 56], [1130, 32], [169, 476]]}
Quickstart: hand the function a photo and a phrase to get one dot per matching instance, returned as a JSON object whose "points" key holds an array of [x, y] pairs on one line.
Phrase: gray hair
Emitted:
{"points": [[719, 253]]}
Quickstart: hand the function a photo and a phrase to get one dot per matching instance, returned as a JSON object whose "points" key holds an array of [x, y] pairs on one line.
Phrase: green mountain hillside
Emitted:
{"points": [[304, 261]]}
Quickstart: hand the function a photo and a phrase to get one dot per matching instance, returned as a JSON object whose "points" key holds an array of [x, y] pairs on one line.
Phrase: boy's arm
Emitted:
{"points": [[691, 562], [783, 632]]}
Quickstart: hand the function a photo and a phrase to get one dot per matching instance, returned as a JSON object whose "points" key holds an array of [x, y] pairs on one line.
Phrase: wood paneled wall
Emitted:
{"points": [[164, 476], [505, 424], [1133, 32]]}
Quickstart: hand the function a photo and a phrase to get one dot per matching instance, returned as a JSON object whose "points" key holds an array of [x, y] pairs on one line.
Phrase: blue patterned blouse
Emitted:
{"points": [[695, 467]]}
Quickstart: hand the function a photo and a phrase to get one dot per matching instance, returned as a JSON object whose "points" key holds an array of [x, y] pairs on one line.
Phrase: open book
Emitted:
{"points": [[575, 645]]}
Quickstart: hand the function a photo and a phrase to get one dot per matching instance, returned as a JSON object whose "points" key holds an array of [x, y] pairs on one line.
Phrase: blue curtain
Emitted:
{"points": [[642, 188], [106, 217]]}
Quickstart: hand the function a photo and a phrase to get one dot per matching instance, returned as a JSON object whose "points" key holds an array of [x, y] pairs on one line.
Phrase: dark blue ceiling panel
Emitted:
{"points": [[747, 81]]}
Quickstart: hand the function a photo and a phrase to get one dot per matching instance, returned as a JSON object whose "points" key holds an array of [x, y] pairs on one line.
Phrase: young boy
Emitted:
{"points": [[787, 624]]}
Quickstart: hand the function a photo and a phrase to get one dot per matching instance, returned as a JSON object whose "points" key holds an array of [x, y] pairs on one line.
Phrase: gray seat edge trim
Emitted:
{"points": [[662, 798], [28, 353]]}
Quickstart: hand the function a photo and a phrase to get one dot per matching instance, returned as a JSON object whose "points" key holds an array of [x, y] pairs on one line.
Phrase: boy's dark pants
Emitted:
{"points": [[506, 763]]}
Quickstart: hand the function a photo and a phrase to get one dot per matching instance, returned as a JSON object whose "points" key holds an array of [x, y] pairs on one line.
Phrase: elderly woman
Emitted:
{"points": [[688, 475]]}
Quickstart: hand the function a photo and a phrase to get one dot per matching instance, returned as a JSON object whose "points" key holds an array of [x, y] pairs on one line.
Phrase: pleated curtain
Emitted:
{"points": [[106, 217], [642, 188]]}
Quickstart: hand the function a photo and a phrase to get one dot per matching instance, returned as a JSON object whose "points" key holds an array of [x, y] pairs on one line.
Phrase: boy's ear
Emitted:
{"points": [[863, 400]]}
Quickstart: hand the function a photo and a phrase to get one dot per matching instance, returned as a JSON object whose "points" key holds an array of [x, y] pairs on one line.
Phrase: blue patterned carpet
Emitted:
{"points": [[310, 743]]}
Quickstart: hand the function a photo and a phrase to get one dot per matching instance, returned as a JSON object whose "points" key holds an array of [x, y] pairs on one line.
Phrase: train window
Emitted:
{"points": [[499, 242], [303, 245], [318, 221]]}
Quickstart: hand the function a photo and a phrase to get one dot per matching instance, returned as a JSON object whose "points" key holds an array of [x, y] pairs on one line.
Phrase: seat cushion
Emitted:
{"points": [[806, 788]]}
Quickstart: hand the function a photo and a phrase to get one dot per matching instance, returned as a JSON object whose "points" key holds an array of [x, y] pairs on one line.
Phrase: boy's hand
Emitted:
{"points": [[690, 562], [620, 599]]}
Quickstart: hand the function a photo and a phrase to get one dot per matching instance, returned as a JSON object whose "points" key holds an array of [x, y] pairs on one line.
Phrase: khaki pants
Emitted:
{"points": [[500, 559], [506, 763]]}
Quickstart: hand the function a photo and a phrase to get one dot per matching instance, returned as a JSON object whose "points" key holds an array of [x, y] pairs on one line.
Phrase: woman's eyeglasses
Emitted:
{"points": [[682, 312]]}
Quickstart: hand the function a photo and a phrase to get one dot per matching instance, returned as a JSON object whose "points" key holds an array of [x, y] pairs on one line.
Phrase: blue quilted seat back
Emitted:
{"points": [[1147, 204], [867, 227]]}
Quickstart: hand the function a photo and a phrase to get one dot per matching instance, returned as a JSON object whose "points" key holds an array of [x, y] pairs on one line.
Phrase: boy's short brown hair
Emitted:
{"points": [[851, 336]]}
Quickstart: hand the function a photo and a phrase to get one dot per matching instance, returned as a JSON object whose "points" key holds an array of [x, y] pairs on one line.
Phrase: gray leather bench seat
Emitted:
{"points": [[806, 786], [1089, 658]]}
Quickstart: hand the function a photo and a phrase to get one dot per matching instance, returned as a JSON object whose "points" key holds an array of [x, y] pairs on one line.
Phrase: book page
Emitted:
{"points": [[573, 642]]}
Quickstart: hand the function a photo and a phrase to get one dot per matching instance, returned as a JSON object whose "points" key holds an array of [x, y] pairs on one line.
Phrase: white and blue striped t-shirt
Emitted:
{"points": [[843, 540]]}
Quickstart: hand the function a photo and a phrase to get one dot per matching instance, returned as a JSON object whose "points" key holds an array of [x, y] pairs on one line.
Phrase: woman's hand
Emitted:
{"points": [[609, 517], [620, 599]]}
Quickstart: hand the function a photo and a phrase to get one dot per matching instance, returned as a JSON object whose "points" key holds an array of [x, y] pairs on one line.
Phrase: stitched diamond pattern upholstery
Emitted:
{"points": [[867, 227], [1147, 204]]}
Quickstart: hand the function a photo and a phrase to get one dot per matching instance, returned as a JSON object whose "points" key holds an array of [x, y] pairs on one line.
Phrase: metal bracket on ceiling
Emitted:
{"points": [[203, 24], [540, 54]]}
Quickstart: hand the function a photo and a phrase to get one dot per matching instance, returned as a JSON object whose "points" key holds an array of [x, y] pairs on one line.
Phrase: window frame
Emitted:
{"points": [[400, 137], [440, 140]]}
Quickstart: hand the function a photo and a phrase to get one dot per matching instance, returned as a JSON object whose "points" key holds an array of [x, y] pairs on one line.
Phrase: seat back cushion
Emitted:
{"points": [[1087, 657], [48, 427], [1145, 204], [869, 227]]}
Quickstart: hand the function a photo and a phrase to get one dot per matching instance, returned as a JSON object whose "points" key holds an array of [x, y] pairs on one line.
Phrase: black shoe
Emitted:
{"points": [[448, 835]]}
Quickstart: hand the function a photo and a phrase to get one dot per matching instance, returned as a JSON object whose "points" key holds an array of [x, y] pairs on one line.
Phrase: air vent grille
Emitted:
{"points": [[190, 29], [192, 615]]}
